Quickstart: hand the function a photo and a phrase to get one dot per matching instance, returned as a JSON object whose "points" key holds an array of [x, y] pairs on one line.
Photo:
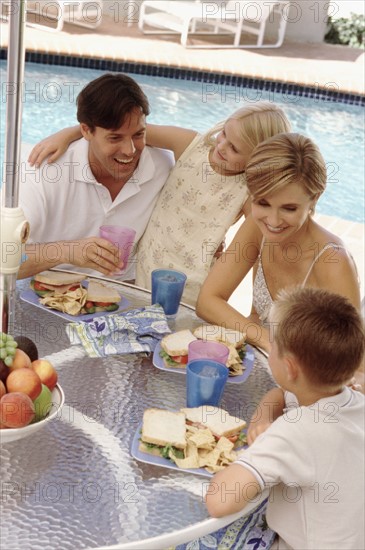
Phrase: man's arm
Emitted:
{"points": [[92, 252]]}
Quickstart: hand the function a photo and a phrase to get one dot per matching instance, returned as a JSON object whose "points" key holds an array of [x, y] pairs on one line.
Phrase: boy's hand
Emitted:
{"points": [[255, 429]]}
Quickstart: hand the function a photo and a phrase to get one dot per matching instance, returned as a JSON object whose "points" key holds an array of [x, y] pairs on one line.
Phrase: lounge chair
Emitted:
{"points": [[232, 18], [84, 13]]}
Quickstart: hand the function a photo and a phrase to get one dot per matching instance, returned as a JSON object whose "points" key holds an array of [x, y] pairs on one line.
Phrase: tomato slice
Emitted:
{"points": [[183, 359], [38, 286], [102, 304], [75, 287]]}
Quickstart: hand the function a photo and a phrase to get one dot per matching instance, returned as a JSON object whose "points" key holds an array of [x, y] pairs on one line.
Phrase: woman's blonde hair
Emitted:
{"points": [[284, 159], [259, 121]]}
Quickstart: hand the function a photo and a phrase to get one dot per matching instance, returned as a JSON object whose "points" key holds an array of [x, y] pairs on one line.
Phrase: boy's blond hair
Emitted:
{"points": [[284, 159], [322, 330], [258, 121]]}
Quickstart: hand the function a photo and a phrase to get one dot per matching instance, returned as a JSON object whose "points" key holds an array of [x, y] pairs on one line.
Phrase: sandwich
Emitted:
{"points": [[218, 421], [220, 334], [100, 297], [174, 348], [200, 437], [233, 339], [49, 282], [163, 433]]}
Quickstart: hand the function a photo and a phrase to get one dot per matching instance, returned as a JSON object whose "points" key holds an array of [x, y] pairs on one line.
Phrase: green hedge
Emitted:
{"points": [[349, 32]]}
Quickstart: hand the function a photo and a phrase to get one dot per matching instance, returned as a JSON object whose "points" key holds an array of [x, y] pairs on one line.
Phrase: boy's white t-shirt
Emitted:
{"points": [[312, 458]]}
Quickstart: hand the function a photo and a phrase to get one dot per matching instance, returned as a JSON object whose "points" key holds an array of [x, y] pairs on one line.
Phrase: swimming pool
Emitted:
{"points": [[49, 104]]}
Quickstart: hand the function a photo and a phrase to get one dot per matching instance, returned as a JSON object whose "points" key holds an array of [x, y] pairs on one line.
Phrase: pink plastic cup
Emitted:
{"points": [[122, 237], [206, 349]]}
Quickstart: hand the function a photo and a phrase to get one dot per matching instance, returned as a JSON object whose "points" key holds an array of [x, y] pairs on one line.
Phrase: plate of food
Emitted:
{"points": [[72, 297], [200, 440], [171, 353]]}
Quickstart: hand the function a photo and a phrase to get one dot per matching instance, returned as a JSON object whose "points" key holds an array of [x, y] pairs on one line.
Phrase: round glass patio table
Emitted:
{"points": [[74, 484]]}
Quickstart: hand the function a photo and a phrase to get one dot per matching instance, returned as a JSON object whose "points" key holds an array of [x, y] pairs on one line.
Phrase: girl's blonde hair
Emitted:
{"points": [[284, 159], [258, 122]]}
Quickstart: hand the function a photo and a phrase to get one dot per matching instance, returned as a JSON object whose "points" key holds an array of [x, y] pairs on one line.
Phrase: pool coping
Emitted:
{"points": [[169, 71]]}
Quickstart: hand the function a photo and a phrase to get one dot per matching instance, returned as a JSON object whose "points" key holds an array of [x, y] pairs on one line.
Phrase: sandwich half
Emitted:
{"points": [[218, 421], [163, 432], [233, 339], [174, 348], [101, 297], [49, 282]]}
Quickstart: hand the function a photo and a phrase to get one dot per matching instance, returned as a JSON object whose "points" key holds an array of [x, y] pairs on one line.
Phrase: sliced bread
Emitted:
{"points": [[219, 421], [177, 343], [162, 427]]}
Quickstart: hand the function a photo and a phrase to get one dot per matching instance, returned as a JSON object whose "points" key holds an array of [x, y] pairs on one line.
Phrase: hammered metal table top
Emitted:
{"points": [[74, 484]]}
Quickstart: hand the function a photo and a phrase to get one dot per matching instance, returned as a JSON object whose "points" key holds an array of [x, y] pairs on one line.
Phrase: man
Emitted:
{"points": [[107, 178]]}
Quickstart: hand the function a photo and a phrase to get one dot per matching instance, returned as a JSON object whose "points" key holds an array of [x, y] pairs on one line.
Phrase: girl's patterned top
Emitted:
{"points": [[195, 209]]}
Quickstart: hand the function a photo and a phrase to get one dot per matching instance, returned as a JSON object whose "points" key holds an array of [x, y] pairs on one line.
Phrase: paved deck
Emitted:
{"points": [[322, 65]]}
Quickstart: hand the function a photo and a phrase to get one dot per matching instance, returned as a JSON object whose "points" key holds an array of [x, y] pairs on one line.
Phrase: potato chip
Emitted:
{"points": [[71, 302], [203, 439]]}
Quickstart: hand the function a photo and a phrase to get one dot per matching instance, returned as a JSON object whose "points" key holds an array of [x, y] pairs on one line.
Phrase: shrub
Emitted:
{"points": [[348, 31]]}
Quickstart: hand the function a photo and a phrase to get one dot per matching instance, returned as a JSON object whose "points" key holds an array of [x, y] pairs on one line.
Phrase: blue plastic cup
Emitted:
{"points": [[205, 382], [167, 288]]}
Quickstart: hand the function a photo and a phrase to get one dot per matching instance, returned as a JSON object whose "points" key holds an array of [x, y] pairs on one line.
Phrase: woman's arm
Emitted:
{"points": [[227, 273], [53, 146], [92, 252], [170, 137]]}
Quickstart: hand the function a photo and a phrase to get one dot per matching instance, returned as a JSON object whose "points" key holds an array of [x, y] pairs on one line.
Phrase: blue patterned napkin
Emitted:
{"points": [[134, 331]]}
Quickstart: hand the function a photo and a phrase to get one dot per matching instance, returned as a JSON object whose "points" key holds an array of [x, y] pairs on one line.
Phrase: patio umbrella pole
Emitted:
{"points": [[14, 228]]}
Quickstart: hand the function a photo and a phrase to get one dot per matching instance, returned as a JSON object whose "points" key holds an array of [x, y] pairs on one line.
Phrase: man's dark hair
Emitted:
{"points": [[107, 100]]}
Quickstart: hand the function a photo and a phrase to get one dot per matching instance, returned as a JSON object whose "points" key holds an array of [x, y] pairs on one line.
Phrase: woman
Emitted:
{"points": [[204, 195], [279, 241]]}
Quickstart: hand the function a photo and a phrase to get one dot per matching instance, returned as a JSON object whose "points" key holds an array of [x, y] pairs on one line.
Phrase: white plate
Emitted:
{"points": [[160, 461], [32, 298], [248, 363], [12, 434]]}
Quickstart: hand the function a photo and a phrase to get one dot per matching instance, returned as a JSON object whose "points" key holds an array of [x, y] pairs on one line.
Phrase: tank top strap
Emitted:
{"points": [[326, 247]]}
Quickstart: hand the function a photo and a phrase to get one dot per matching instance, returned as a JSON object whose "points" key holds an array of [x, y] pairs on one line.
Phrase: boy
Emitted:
{"points": [[307, 436]]}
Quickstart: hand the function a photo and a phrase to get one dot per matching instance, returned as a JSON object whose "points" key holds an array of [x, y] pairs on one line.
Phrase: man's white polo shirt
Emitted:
{"points": [[63, 200]]}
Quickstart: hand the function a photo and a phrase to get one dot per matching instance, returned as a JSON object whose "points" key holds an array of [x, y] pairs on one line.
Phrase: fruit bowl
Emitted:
{"points": [[12, 434]]}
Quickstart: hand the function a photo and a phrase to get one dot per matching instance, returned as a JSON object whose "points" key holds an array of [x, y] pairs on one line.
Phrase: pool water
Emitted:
{"points": [[49, 104]]}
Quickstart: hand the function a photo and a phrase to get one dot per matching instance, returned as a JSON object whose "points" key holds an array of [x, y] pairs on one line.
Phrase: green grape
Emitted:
{"points": [[7, 348], [11, 346], [8, 361]]}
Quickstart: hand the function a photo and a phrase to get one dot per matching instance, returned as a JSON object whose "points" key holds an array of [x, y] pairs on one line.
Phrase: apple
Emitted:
{"points": [[24, 380], [46, 372], [42, 404], [20, 360], [16, 410], [2, 389]]}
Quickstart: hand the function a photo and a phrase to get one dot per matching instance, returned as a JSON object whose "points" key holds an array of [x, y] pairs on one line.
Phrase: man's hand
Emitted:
{"points": [[94, 253]]}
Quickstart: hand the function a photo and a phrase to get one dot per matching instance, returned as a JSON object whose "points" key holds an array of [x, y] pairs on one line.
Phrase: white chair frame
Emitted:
{"points": [[84, 13], [196, 17]]}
